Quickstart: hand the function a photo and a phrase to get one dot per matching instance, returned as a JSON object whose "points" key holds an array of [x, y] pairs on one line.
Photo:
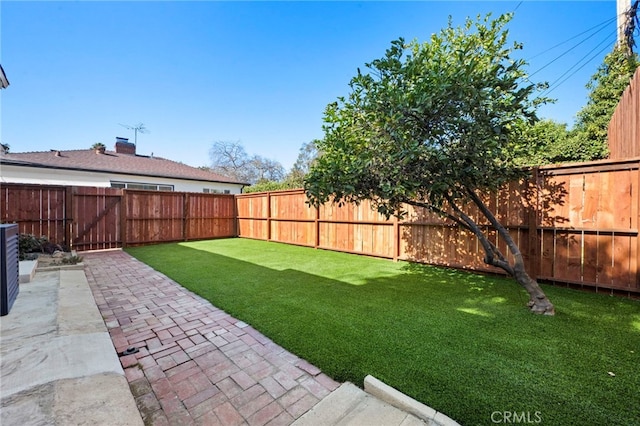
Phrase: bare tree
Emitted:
{"points": [[231, 160], [267, 170]]}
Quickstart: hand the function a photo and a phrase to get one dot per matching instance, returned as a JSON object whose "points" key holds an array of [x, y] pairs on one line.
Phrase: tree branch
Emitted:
{"points": [[494, 256], [497, 225], [440, 212], [490, 249]]}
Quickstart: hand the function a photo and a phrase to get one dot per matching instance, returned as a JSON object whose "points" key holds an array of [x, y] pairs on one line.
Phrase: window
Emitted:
{"points": [[144, 186], [216, 191], [211, 191]]}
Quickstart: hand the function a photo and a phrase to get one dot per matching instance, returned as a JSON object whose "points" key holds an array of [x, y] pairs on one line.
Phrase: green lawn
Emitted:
{"points": [[461, 343]]}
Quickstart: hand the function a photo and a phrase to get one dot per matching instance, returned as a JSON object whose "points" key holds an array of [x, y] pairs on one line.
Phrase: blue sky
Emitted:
{"points": [[256, 72]]}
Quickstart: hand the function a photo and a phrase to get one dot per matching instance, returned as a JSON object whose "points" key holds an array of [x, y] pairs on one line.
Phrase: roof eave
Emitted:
{"points": [[81, 169]]}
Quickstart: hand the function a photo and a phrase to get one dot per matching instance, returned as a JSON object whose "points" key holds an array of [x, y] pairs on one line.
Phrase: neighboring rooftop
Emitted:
{"points": [[123, 160]]}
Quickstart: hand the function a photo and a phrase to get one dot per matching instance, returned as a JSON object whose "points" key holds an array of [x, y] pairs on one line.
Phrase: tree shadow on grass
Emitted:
{"points": [[406, 283]]}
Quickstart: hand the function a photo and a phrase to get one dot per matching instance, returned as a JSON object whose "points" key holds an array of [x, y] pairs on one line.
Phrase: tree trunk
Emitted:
{"points": [[538, 301]]}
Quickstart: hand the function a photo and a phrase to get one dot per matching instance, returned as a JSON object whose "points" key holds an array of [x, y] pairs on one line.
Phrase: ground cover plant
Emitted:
{"points": [[462, 343]]}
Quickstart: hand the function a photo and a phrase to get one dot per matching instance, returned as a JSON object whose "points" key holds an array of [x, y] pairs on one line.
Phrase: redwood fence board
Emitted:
{"points": [[95, 221], [624, 127], [38, 210], [88, 218], [576, 223]]}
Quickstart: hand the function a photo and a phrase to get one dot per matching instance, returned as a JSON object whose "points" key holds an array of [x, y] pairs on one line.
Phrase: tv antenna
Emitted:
{"points": [[138, 128]]}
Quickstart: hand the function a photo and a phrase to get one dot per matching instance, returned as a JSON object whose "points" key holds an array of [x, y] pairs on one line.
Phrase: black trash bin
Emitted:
{"points": [[10, 267]]}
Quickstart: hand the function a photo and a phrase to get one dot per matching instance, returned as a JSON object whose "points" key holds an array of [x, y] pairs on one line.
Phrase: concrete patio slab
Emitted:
{"points": [[58, 363]]}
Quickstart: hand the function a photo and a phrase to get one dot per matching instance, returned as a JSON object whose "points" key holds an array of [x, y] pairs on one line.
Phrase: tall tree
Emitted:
{"points": [[547, 142], [231, 160], [588, 140], [432, 126], [267, 170], [306, 156]]}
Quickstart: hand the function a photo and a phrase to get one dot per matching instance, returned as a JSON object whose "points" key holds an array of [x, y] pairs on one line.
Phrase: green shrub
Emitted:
{"points": [[71, 260], [29, 244]]}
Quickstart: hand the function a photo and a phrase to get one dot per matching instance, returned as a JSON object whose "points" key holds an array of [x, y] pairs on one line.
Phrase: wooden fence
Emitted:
{"points": [[624, 127], [576, 224], [87, 218], [38, 210]]}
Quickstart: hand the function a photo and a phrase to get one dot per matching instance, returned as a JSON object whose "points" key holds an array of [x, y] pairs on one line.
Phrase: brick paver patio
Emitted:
{"points": [[196, 364]]}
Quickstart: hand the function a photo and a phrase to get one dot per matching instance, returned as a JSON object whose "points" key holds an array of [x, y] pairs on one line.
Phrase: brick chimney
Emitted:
{"points": [[123, 146]]}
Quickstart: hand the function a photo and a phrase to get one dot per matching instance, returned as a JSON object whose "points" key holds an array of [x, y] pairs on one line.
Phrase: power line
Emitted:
{"points": [[572, 47], [604, 23], [559, 82]]}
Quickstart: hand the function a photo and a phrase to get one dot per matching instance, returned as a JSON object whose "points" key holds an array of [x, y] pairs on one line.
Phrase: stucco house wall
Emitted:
{"points": [[50, 176]]}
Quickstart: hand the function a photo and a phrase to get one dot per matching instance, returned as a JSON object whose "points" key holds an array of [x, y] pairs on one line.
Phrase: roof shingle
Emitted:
{"points": [[113, 162]]}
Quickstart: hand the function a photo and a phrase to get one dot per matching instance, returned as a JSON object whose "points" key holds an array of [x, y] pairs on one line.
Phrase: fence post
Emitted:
{"points": [[637, 262], [317, 228], [532, 222], [268, 216], [236, 227], [123, 216], [185, 210], [68, 216], [396, 238]]}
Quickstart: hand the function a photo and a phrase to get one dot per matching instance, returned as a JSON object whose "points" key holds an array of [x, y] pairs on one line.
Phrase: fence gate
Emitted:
{"points": [[96, 218]]}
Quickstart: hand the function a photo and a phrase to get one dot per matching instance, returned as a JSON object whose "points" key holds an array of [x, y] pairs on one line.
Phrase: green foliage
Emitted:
{"points": [[306, 157], [549, 142], [295, 178], [434, 125], [458, 342], [71, 260], [29, 243], [577, 148], [545, 142], [589, 137], [98, 146], [430, 122], [264, 186]]}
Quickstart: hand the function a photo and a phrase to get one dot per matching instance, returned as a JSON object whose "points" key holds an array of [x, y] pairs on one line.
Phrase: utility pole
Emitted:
{"points": [[627, 21], [622, 6]]}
